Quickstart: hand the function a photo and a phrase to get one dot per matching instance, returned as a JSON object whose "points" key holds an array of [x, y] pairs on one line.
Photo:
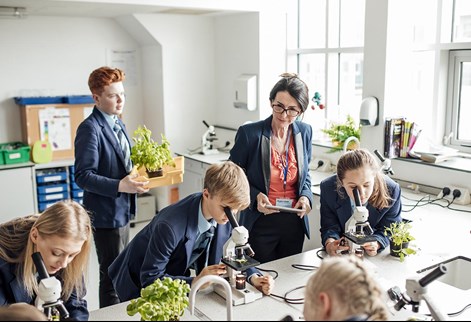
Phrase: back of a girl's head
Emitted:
{"points": [[228, 181], [350, 284]]}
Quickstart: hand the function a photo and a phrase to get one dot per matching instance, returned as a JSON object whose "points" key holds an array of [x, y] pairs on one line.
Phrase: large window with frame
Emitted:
{"points": [[325, 47], [442, 64]]}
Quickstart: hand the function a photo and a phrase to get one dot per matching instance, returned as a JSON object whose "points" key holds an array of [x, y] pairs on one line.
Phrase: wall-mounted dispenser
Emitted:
{"points": [[245, 92], [369, 110]]}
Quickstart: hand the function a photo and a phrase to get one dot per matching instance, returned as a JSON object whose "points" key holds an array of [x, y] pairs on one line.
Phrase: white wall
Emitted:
{"points": [[54, 56]]}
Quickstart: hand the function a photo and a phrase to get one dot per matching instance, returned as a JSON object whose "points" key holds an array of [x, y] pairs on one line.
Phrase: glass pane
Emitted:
{"points": [[462, 21], [312, 23], [312, 71], [464, 109], [425, 20], [352, 23], [350, 85]]}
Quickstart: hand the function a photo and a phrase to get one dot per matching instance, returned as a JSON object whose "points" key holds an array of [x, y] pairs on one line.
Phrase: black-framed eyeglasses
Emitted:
{"points": [[289, 111]]}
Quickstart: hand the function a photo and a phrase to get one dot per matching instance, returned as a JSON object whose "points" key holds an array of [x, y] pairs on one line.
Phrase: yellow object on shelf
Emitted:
{"points": [[172, 175]]}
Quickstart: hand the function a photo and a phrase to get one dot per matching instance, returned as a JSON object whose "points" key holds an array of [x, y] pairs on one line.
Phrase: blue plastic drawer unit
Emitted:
{"points": [[44, 205], [76, 194], [53, 196], [52, 188], [51, 176]]}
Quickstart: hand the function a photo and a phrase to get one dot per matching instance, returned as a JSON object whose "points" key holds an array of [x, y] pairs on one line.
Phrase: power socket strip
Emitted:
{"points": [[325, 167], [463, 199]]}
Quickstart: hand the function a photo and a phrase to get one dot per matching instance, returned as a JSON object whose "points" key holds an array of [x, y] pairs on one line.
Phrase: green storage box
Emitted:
{"points": [[14, 152]]}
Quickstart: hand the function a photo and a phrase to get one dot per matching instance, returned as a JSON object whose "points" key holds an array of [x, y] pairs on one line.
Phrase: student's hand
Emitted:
{"points": [[264, 284], [371, 248], [334, 248], [129, 185], [21, 312], [262, 202], [218, 269], [303, 203]]}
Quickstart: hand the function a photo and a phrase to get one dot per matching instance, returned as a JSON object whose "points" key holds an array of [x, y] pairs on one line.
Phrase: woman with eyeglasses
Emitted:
{"points": [[275, 154]]}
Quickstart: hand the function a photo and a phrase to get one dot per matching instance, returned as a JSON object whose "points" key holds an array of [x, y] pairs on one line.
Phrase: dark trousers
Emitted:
{"points": [[109, 243], [276, 236]]}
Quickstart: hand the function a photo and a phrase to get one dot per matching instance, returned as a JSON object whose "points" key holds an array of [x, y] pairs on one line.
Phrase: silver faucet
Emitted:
{"points": [[347, 141], [216, 280]]}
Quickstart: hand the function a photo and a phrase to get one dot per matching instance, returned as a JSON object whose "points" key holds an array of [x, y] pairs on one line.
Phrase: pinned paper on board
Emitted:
{"points": [[54, 126]]}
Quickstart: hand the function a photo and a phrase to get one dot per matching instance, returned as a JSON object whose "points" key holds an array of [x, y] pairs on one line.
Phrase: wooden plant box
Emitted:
{"points": [[172, 175]]}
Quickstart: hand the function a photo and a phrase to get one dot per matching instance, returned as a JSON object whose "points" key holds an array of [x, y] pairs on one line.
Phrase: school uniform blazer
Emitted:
{"points": [[13, 291], [99, 167], [252, 152], [336, 210], [163, 248]]}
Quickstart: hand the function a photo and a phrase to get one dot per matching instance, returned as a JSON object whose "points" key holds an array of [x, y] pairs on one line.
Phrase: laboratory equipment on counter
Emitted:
{"points": [[49, 291], [357, 228], [237, 256], [207, 140], [385, 163], [416, 290]]}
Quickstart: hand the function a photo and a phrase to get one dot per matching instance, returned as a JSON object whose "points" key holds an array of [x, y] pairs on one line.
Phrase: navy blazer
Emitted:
{"points": [[163, 248], [13, 291], [252, 152], [99, 167], [336, 210]]}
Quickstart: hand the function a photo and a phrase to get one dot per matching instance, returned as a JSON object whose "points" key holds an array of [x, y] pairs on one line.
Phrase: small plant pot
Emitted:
{"points": [[396, 250], [154, 174]]}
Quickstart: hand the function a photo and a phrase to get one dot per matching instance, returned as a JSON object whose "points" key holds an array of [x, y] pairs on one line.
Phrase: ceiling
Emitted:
{"points": [[94, 9]]}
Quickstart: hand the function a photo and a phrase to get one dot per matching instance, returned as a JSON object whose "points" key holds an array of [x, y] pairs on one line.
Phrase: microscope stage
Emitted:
{"points": [[240, 266]]}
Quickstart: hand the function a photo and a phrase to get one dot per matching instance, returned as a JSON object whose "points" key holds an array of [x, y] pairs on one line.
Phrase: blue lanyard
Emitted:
{"points": [[285, 168]]}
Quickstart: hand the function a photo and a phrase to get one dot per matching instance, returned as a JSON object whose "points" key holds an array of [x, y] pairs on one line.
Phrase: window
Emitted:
{"points": [[325, 47], [442, 64]]}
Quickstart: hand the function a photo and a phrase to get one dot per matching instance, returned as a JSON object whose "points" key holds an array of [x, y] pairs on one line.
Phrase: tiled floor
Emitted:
{"points": [[93, 272]]}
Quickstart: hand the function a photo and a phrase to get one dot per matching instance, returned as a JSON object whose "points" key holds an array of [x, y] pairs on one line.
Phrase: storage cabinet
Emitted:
{"points": [[16, 192], [193, 178]]}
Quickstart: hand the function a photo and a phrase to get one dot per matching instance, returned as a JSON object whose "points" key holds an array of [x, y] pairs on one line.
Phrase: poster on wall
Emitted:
{"points": [[126, 61], [54, 126]]}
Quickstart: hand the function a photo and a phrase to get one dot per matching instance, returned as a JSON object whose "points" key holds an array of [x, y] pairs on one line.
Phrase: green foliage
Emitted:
{"points": [[163, 300], [399, 234], [149, 153], [339, 132]]}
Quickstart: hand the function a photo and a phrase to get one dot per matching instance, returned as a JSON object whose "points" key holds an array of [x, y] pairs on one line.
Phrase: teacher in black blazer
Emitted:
{"points": [[275, 154], [102, 167]]}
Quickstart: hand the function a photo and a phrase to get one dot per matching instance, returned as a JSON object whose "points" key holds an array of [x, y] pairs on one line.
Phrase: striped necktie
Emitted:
{"points": [[123, 143]]}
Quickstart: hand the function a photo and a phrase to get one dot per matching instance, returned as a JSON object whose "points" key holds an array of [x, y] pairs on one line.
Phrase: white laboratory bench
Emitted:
{"points": [[440, 234]]}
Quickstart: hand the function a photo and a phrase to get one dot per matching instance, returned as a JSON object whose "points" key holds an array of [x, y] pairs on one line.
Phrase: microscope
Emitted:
{"points": [[208, 137], [385, 163], [237, 256], [357, 229], [416, 290], [49, 292]]}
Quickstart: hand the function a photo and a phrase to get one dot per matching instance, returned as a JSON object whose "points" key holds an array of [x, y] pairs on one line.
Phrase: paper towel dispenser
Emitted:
{"points": [[245, 92]]}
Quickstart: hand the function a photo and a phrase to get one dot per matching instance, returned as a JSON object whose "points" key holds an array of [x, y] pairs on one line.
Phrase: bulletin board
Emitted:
{"points": [[36, 125]]}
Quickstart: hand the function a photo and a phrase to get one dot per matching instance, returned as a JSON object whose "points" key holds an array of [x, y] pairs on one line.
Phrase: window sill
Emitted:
{"points": [[458, 163]]}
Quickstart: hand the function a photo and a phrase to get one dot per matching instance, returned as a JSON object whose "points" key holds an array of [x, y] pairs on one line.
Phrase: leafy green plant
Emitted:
{"points": [[163, 300], [339, 132], [148, 153], [399, 235]]}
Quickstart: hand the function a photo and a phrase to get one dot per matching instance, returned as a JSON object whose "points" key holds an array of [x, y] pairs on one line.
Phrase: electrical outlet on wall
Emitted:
{"points": [[464, 197], [321, 165]]}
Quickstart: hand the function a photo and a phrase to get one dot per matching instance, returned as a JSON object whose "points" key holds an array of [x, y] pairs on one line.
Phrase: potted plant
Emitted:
{"points": [[399, 236], [163, 300], [339, 132], [150, 154]]}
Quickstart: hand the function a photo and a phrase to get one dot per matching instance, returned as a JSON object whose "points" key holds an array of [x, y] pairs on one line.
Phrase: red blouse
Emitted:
{"points": [[277, 165]]}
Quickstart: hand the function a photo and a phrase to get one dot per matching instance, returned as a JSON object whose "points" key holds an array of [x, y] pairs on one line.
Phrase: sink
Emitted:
{"points": [[457, 274]]}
